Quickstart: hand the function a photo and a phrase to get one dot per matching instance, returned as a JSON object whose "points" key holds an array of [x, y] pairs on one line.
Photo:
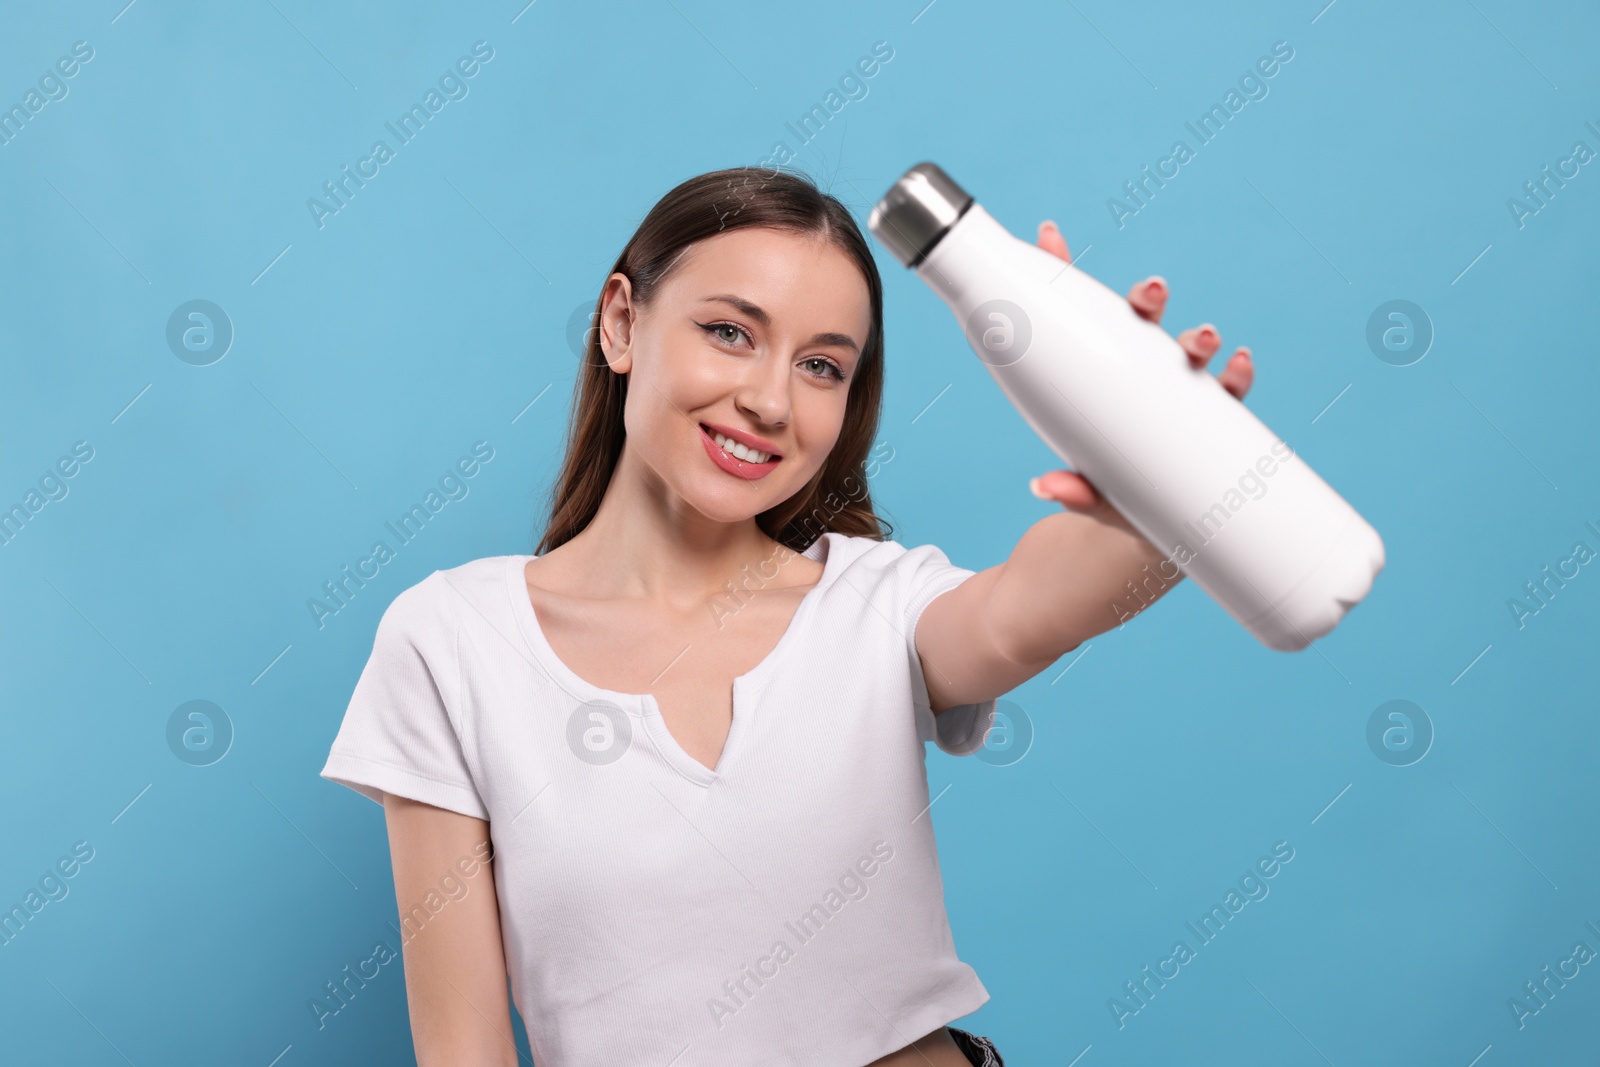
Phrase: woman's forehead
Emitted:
{"points": [[788, 275]]}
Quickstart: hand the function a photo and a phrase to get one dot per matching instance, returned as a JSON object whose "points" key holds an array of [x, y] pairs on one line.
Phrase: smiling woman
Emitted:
{"points": [[672, 786], [667, 782], [692, 225]]}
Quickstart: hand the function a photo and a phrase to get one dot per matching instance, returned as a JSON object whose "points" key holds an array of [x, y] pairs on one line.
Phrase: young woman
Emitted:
{"points": [[693, 724]]}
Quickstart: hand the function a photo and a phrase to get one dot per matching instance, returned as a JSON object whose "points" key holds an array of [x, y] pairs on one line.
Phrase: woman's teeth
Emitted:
{"points": [[734, 448]]}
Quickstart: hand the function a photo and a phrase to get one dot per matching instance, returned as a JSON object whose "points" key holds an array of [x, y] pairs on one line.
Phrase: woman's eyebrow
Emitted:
{"points": [[755, 312]]}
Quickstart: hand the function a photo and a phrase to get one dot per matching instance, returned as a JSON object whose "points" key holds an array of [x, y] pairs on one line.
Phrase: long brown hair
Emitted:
{"points": [[837, 498]]}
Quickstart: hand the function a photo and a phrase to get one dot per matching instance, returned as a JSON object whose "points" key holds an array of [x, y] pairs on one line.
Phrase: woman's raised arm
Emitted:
{"points": [[454, 962]]}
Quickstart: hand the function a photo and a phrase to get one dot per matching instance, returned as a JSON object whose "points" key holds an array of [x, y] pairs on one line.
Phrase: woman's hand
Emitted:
{"points": [[1149, 299]]}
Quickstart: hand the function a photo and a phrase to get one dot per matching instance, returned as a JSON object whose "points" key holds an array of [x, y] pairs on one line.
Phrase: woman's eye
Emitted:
{"points": [[828, 368], [817, 366], [716, 330]]}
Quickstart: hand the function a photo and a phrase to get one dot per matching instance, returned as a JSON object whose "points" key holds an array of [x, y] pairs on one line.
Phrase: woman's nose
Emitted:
{"points": [[764, 393]]}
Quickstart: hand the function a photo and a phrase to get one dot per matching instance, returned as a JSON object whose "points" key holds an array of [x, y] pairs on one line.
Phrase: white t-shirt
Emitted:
{"points": [[783, 910]]}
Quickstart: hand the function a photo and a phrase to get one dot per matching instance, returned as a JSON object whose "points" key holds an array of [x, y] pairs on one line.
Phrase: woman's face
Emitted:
{"points": [[755, 336]]}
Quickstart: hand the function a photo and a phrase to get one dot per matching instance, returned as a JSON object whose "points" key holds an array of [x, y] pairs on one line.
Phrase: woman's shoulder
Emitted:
{"points": [[485, 567], [860, 546], [478, 580], [872, 554]]}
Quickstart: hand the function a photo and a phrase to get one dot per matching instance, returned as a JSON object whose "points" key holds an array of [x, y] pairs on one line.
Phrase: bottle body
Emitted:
{"points": [[1190, 467]]}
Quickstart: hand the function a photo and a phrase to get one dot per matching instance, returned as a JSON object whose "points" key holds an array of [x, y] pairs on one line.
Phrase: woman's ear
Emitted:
{"points": [[617, 314]]}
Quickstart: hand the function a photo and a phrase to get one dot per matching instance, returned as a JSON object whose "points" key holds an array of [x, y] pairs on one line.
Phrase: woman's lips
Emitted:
{"points": [[732, 463]]}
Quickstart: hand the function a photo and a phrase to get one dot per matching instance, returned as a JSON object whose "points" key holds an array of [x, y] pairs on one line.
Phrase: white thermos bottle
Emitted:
{"points": [[1114, 395]]}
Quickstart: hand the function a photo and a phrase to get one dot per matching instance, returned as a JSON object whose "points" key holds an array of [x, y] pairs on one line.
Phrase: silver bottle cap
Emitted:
{"points": [[917, 211]]}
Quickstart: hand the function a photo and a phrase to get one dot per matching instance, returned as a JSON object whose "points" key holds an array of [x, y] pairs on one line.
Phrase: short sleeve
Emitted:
{"points": [[926, 572], [400, 732]]}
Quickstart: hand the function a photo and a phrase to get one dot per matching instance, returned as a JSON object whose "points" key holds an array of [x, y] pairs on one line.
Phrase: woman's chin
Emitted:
{"points": [[727, 511], [722, 503]]}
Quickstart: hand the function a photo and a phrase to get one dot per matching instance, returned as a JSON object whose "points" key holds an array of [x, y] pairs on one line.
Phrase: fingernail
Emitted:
{"points": [[1207, 334], [1156, 285], [1033, 486]]}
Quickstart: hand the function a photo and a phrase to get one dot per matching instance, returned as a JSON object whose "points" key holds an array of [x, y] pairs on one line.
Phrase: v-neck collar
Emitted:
{"points": [[643, 705]]}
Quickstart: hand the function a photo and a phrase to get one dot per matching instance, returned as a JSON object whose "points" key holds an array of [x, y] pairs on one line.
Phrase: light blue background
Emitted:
{"points": [[433, 309]]}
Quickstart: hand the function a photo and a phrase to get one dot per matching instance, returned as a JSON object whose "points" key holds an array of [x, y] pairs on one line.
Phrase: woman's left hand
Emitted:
{"points": [[1149, 298]]}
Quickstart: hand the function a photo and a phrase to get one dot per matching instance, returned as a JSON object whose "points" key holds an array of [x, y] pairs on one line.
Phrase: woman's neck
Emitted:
{"points": [[644, 542]]}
